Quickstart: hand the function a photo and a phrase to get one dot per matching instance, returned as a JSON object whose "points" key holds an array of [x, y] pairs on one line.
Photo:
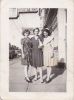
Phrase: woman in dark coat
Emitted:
{"points": [[26, 52], [37, 54]]}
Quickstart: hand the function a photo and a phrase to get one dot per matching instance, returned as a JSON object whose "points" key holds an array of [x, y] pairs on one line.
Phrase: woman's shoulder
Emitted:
{"points": [[22, 39], [28, 38], [49, 37], [32, 38]]}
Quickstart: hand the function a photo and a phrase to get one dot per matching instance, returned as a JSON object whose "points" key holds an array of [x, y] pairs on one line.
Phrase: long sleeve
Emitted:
{"points": [[40, 44], [22, 47]]}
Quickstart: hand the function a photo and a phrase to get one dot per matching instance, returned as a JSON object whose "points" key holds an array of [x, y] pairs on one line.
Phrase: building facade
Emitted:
{"points": [[56, 21]]}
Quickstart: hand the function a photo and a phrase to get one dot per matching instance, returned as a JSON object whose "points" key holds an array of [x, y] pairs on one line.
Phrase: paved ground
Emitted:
{"points": [[17, 82]]}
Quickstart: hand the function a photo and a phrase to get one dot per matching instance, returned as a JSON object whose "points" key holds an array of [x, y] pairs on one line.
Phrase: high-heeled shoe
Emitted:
{"points": [[47, 81], [41, 81], [35, 78], [28, 80]]}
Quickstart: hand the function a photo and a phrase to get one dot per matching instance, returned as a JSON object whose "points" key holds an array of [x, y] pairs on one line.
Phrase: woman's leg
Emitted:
{"points": [[48, 73], [26, 72], [35, 71], [40, 72]]}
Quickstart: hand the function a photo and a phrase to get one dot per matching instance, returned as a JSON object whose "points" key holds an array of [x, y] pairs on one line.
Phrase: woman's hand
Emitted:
{"points": [[40, 47], [22, 55], [52, 56], [40, 44]]}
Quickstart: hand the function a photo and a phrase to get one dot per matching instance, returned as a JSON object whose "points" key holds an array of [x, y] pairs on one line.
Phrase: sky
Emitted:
{"points": [[25, 20]]}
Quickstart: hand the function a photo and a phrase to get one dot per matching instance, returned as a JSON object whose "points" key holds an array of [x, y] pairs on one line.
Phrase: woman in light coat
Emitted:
{"points": [[47, 51]]}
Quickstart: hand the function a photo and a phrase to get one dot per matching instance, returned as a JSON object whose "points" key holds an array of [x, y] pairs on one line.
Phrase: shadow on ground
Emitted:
{"points": [[56, 71]]}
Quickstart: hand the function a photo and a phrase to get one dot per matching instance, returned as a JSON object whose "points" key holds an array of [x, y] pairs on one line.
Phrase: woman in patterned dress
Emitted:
{"points": [[26, 52], [37, 54]]}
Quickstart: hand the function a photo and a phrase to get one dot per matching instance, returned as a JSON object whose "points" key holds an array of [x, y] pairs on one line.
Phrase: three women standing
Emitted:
{"points": [[32, 53]]}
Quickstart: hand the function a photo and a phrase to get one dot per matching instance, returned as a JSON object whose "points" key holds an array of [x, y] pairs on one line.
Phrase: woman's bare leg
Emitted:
{"points": [[35, 71], [26, 72], [40, 72], [48, 73]]}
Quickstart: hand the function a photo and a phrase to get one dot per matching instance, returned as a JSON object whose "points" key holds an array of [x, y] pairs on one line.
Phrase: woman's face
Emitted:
{"points": [[36, 32], [45, 34], [26, 34]]}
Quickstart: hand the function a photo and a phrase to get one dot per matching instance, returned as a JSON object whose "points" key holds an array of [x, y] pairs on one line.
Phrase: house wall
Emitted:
{"points": [[62, 34], [58, 26]]}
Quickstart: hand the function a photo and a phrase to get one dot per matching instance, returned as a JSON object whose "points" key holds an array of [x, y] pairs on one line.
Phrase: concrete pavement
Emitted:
{"points": [[17, 82]]}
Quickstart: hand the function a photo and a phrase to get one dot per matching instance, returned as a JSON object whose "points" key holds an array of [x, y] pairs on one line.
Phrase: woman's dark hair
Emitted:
{"points": [[36, 29], [25, 31], [46, 30]]}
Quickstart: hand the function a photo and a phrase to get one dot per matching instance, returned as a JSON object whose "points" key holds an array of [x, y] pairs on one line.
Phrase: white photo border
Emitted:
{"points": [[4, 37]]}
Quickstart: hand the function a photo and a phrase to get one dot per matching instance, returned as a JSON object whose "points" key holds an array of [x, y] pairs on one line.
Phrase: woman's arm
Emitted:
{"points": [[48, 40], [40, 44], [22, 51], [31, 44], [22, 48]]}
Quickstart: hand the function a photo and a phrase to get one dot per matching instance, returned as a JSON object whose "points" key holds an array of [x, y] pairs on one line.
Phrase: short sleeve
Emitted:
{"points": [[22, 41]]}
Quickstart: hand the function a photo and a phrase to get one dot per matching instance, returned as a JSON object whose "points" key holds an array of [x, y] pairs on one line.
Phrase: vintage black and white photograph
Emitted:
{"points": [[37, 49]]}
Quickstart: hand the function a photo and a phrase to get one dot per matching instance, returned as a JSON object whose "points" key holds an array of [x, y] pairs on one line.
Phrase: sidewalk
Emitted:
{"points": [[17, 82]]}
